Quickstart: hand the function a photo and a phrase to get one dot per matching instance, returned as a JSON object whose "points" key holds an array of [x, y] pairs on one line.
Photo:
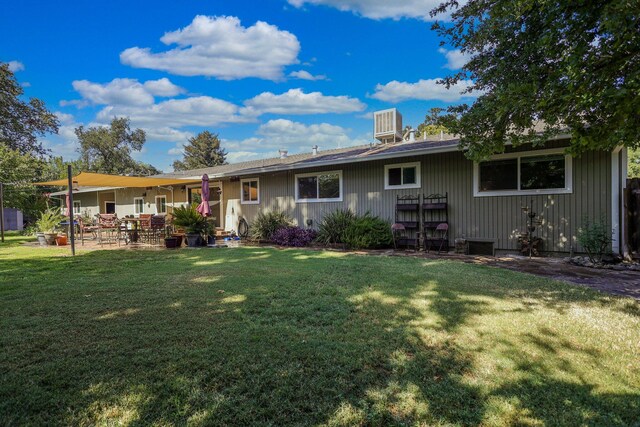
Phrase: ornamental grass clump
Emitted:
{"points": [[293, 236], [267, 223], [332, 227]]}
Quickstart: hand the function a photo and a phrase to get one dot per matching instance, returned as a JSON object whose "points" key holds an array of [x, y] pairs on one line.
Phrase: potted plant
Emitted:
{"points": [[47, 223], [170, 242], [193, 223], [210, 233], [61, 239]]}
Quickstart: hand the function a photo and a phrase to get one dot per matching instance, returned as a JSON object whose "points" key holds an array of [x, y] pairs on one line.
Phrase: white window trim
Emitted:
{"points": [[135, 199], [402, 166], [249, 202], [73, 209], [165, 204], [568, 175], [304, 175]]}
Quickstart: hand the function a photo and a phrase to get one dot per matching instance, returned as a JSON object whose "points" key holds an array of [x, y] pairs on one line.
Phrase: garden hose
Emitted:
{"points": [[243, 228]]}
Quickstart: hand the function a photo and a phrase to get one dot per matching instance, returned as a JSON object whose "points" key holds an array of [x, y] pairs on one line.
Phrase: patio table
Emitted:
{"points": [[133, 233]]}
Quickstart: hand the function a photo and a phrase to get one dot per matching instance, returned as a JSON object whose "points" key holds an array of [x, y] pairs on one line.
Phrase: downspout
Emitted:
{"points": [[616, 198]]}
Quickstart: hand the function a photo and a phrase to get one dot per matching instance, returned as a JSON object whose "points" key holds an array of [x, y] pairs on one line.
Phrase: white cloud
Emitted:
{"points": [[295, 101], [293, 136], [378, 9], [221, 47], [425, 90], [455, 58], [123, 91], [305, 75], [167, 134], [243, 156], [15, 66], [193, 111]]}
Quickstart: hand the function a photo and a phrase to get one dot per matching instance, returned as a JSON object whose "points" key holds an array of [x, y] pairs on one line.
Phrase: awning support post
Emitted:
{"points": [[70, 209]]}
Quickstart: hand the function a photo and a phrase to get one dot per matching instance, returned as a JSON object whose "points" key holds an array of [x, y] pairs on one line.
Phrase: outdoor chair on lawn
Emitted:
{"points": [[440, 238], [397, 230], [85, 228]]}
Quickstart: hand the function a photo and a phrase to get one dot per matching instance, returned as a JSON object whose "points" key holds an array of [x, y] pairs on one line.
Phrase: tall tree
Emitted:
{"points": [[560, 65], [431, 125], [108, 149], [202, 151], [21, 123]]}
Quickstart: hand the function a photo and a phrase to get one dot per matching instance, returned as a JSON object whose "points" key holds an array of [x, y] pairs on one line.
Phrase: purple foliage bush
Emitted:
{"points": [[293, 236]]}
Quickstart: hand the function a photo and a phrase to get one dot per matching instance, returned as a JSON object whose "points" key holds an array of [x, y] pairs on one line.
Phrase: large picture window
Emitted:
{"points": [[250, 191], [319, 187], [404, 175], [540, 172]]}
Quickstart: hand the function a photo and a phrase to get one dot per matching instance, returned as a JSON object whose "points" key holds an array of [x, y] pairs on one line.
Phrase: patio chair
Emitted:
{"points": [[156, 230], [397, 230], [108, 228], [85, 228], [440, 238], [145, 226]]}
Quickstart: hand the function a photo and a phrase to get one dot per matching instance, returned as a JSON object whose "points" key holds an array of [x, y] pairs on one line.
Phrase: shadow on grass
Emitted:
{"points": [[254, 336]]}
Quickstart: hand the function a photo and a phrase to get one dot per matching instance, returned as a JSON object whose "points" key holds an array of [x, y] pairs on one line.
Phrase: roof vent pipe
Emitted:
{"points": [[283, 154], [412, 135], [441, 135], [314, 150]]}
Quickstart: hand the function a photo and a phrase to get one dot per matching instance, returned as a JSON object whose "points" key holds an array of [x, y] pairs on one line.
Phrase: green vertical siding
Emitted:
{"points": [[497, 217]]}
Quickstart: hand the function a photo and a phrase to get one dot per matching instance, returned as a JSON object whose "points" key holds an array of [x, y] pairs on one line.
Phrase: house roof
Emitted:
{"points": [[323, 158]]}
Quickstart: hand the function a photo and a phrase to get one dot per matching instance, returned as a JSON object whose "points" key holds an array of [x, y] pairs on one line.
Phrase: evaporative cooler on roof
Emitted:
{"points": [[387, 125]]}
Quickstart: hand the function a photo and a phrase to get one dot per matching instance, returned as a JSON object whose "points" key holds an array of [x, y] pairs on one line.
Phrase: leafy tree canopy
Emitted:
{"points": [[108, 149], [202, 151], [21, 123], [564, 66], [431, 125]]}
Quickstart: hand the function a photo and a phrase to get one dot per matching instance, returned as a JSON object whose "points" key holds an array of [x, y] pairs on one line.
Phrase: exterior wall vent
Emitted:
{"points": [[387, 125]]}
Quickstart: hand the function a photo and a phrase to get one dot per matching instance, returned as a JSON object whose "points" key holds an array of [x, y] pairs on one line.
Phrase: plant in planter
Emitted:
{"points": [[193, 223], [46, 225], [170, 242], [210, 233]]}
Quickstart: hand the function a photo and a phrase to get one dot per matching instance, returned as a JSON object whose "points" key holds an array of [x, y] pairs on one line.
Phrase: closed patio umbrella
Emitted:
{"points": [[203, 207], [67, 211]]}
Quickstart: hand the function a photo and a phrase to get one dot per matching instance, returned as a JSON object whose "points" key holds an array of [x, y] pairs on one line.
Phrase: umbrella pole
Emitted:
{"points": [[70, 208]]}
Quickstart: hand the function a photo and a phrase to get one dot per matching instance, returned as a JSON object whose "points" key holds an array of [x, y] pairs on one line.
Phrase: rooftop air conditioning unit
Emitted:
{"points": [[387, 125]]}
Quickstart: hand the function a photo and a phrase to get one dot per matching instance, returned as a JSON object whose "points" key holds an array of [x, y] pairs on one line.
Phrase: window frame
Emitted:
{"points": [[418, 183], [249, 202], [135, 199], [165, 204], [317, 174], [79, 210], [568, 174]]}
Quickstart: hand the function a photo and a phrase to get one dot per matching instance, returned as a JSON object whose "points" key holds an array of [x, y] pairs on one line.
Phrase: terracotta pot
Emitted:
{"points": [[61, 240]]}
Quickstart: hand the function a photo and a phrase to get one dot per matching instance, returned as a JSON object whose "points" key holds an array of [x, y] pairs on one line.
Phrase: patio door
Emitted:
{"points": [[215, 200]]}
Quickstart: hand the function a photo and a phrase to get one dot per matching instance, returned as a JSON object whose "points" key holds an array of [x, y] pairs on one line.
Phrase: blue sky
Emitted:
{"points": [[264, 75]]}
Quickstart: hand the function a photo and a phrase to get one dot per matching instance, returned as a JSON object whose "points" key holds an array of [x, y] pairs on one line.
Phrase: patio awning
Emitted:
{"points": [[89, 179]]}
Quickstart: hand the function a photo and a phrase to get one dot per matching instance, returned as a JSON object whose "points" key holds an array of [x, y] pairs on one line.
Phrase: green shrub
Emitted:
{"points": [[333, 226], [189, 218], [49, 220], [368, 232], [266, 223], [595, 238]]}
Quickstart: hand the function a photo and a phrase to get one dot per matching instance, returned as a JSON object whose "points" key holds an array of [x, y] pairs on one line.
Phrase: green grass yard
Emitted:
{"points": [[257, 336]]}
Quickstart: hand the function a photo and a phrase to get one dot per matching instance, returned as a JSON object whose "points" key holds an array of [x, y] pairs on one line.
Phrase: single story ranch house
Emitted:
{"points": [[484, 202]]}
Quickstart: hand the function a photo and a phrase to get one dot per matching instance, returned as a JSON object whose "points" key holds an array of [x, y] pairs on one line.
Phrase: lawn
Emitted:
{"points": [[258, 336]]}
